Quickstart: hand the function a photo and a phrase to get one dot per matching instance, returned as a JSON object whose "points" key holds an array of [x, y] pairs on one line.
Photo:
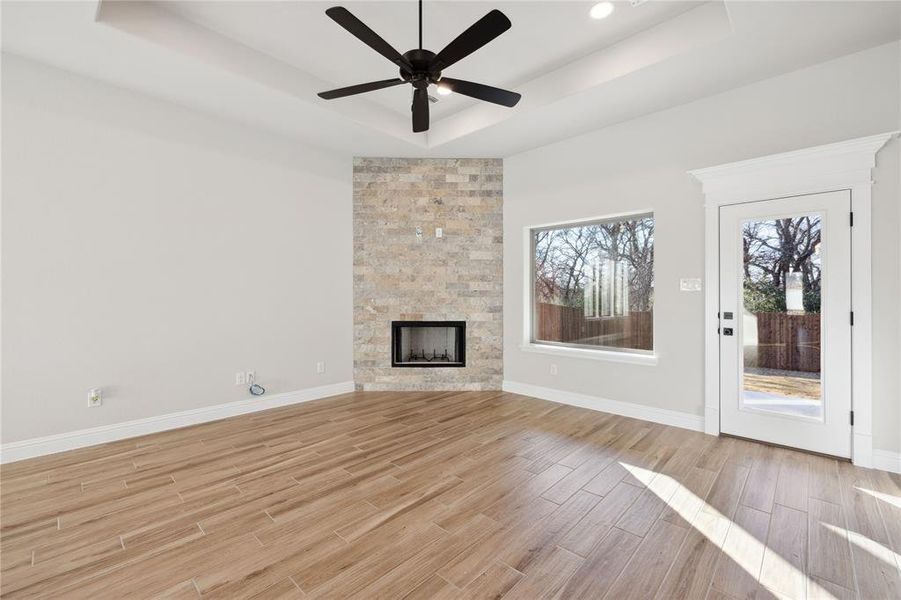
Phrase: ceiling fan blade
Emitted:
{"points": [[420, 110], [481, 91], [358, 29], [360, 88], [479, 33]]}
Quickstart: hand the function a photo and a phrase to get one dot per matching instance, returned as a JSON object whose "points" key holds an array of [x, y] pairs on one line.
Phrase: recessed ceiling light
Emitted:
{"points": [[601, 10], [443, 90]]}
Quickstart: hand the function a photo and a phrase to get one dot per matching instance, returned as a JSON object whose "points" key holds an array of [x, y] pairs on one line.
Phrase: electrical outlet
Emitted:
{"points": [[439, 232], [95, 397], [553, 369], [320, 367], [250, 377], [240, 378]]}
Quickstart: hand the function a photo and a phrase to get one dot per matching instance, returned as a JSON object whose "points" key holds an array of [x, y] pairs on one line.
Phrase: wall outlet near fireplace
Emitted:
{"points": [[320, 367], [553, 369], [240, 378]]}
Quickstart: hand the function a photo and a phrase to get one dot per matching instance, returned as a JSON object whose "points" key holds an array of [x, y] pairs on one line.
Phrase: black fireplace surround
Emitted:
{"points": [[428, 344]]}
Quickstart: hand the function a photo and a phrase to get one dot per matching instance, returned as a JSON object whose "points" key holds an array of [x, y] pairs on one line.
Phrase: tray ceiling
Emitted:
{"points": [[263, 62]]}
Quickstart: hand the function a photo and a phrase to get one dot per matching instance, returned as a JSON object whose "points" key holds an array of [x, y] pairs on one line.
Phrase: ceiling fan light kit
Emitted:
{"points": [[420, 67]]}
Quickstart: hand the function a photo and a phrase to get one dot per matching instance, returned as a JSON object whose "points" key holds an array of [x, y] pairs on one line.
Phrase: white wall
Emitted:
{"points": [[642, 164], [154, 251]]}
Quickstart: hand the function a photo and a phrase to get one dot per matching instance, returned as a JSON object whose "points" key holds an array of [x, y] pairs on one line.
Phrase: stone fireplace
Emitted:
{"points": [[428, 267]]}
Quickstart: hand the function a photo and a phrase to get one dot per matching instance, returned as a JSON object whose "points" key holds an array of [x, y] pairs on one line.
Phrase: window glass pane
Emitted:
{"points": [[594, 284], [781, 318]]}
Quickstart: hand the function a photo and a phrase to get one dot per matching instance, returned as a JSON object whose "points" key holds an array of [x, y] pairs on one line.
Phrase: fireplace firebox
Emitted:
{"points": [[428, 343]]}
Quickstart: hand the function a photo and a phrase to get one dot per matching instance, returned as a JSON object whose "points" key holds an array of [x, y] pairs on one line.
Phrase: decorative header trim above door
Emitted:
{"points": [[811, 170], [844, 165]]}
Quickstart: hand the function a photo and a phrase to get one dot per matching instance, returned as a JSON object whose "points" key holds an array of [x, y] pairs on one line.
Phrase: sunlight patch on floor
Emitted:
{"points": [[869, 546], [887, 498], [715, 526]]}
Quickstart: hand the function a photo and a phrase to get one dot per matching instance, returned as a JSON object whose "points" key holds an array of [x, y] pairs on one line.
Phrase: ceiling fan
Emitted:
{"points": [[420, 67]]}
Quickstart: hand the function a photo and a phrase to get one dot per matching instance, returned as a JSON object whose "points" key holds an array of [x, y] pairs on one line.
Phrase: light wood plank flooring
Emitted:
{"points": [[445, 495]]}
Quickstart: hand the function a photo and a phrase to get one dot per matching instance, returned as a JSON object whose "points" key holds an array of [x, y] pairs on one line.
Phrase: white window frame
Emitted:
{"points": [[605, 353], [841, 166]]}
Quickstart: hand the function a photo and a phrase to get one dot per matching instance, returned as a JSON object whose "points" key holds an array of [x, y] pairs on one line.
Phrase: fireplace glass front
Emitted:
{"points": [[428, 343]]}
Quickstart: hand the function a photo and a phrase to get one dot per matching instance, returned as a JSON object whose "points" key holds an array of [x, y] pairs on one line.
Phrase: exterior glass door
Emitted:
{"points": [[785, 330]]}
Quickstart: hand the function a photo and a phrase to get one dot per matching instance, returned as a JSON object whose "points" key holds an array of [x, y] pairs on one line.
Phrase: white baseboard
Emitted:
{"points": [[626, 409], [52, 444], [886, 460]]}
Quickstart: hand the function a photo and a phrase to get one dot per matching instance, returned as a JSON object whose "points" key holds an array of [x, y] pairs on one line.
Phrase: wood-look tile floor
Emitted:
{"points": [[445, 495]]}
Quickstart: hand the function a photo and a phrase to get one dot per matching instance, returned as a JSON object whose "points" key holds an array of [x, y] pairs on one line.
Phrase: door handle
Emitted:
{"points": [[727, 331]]}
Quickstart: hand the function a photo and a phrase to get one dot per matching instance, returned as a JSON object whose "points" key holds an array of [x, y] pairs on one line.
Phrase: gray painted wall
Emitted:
{"points": [[154, 251], [642, 164]]}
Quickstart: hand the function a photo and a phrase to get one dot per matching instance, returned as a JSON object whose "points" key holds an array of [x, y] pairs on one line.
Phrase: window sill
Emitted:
{"points": [[605, 355]]}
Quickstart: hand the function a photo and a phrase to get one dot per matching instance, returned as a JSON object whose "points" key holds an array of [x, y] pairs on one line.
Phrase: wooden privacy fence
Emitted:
{"points": [[558, 323], [788, 342], [784, 341]]}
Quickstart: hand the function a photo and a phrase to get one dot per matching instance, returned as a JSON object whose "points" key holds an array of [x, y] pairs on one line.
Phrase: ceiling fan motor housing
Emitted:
{"points": [[422, 74]]}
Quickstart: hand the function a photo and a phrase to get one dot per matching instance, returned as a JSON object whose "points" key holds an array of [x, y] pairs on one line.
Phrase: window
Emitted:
{"points": [[593, 284]]}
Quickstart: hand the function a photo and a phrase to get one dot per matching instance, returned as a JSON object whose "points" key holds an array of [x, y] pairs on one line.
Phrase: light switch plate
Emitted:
{"points": [[692, 284]]}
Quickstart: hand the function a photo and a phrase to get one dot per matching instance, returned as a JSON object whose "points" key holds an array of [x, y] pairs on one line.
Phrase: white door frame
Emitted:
{"points": [[844, 165]]}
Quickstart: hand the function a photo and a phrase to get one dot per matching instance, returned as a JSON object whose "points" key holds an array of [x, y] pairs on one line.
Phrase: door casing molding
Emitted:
{"points": [[844, 165]]}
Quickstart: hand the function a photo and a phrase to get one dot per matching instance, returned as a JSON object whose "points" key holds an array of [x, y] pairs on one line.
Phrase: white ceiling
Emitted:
{"points": [[263, 62], [544, 37]]}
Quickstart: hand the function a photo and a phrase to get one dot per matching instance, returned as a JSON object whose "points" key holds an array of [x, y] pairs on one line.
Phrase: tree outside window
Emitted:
{"points": [[594, 283]]}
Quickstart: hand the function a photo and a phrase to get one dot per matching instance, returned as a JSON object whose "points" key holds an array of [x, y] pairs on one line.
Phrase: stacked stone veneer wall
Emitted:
{"points": [[457, 277]]}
